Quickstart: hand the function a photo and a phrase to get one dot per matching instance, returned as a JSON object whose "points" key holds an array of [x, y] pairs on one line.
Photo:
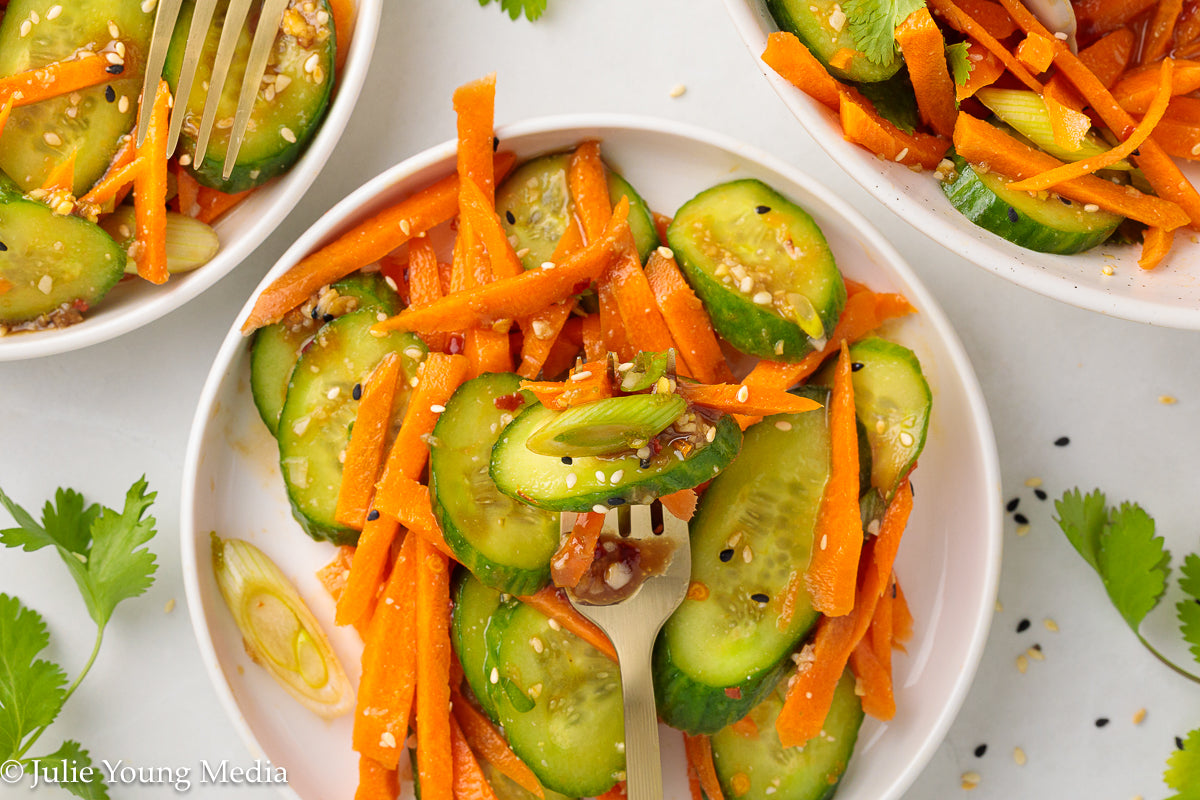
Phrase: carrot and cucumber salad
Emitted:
{"points": [[1057, 140], [526, 339]]}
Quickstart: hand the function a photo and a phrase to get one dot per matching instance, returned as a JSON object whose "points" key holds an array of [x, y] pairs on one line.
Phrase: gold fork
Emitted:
{"points": [[630, 603], [235, 19]]}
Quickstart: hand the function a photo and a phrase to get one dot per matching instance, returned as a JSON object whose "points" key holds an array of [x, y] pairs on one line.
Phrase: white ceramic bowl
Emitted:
{"points": [[1168, 295], [132, 304], [949, 561]]}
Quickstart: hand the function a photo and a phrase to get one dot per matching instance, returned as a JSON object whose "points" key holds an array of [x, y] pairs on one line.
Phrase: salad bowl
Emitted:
{"points": [[949, 562], [1106, 279], [134, 303]]}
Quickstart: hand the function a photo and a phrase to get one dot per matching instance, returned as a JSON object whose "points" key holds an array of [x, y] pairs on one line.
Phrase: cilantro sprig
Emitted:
{"points": [[105, 551], [873, 25], [532, 9]]}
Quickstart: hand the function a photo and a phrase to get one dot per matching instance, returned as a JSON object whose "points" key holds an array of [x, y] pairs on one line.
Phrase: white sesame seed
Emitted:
{"points": [[615, 478], [600, 509], [665, 252], [747, 554], [334, 392], [1050, 624], [33, 17], [113, 58], [437, 409], [45, 284], [710, 434], [113, 30], [571, 478], [495, 676], [185, 159], [536, 644], [26, 27], [582, 376], [1108, 270], [54, 12], [405, 227], [762, 298], [1036, 654], [120, 48], [1060, 35], [1022, 663], [51, 138], [387, 739], [901, 155], [971, 779], [677, 90], [123, 104], [601, 477], [906, 439], [310, 63], [783, 425], [1019, 756], [745, 285], [547, 265], [1091, 208], [743, 394], [287, 135], [281, 83], [1139, 716], [554, 624], [148, 6], [824, 541], [412, 352]]}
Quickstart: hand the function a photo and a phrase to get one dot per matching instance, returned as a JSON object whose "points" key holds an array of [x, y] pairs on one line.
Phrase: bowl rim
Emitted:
{"points": [[595, 124], [983, 251], [290, 188]]}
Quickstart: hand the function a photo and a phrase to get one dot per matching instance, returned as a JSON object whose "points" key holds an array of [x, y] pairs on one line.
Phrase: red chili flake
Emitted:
{"points": [[455, 345], [733, 692], [509, 402]]}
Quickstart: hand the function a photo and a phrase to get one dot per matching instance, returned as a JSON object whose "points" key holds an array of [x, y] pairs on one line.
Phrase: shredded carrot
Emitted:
{"points": [[488, 351], [687, 319], [567, 347], [364, 454], [1036, 52], [334, 575], [54, 80], [343, 26], [474, 105], [643, 321], [681, 503], [1161, 29], [863, 125], [375, 781], [924, 51], [613, 338], [1180, 137], [798, 66], [1136, 89], [411, 506], [1068, 125], [700, 758], [987, 70], [469, 782], [214, 204], [577, 551], [1156, 243], [62, 176], [902, 618], [661, 223], [1107, 57], [189, 191], [992, 16], [871, 662], [424, 284], [745, 727], [432, 622], [964, 23], [741, 398], [842, 57], [552, 603], [586, 384], [490, 745], [587, 179], [593, 337], [1101, 16], [481, 213], [150, 193]]}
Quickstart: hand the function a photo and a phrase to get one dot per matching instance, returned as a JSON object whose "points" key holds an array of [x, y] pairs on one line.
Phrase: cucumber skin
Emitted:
{"points": [[464, 630], [789, 16], [982, 206]]}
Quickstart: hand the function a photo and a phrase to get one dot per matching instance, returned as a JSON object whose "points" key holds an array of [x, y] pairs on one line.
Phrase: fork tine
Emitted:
{"points": [[160, 42], [231, 29], [197, 33], [256, 65], [639, 520]]}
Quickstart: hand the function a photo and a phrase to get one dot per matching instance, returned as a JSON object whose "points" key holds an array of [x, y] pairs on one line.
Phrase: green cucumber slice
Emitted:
{"points": [[506, 543], [579, 484], [314, 425], [1052, 225], [508, 789], [811, 772], [281, 122], [535, 205], [474, 605], [717, 657], [87, 123], [762, 267], [824, 29]]}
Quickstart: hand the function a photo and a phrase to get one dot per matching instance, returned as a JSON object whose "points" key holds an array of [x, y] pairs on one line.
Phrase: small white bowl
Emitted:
{"points": [[134, 303], [1167, 296], [949, 562]]}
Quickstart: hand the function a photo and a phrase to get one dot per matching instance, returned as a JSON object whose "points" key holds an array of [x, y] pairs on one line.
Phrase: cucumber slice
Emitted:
{"points": [[474, 605], [51, 267], [508, 789], [578, 484], [811, 772], [314, 425], [612, 425], [1026, 113], [86, 122], [716, 658], [1053, 224], [276, 347], [506, 543], [823, 28], [762, 267], [282, 121], [535, 206], [572, 733]]}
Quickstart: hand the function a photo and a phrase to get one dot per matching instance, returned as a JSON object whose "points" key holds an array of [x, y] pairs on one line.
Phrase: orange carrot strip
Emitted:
{"points": [[410, 505], [567, 348], [1136, 89], [491, 745], [587, 179], [488, 351], [1068, 125], [986, 71], [688, 321], [681, 503], [863, 125], [481, 212], [115, 179], [1179, 138], [842, 57], [1076, 169], [1160, 30], [575, 554], [367, 570], [588, 383], [834, 564], [424, 284], [364, 244], [150, 193], [617, 792], [694, 788], [54, 79], [1187, 29], [387, 688], [992, 16], [798, 66], [334, 575], [593, 337], [924, 51], [469, 781], [364, 454], [963, 23], [553, 603], [518, 296], [62, 176], [741, 398], [700, 758], [343, 26], [871, 662], [1101, 16], [645, 327], [1036, 52], [189, 191], [902, 618], [214, 204], [1156, 243], [1108, 57], [661, 223], [375, 781], [977, 141], [612, 328], [434, 745], [475, 104]]}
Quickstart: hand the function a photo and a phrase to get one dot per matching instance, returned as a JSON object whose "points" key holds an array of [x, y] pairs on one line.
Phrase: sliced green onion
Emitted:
{"points": [[280, 633], [606, 426], [645, 371], [1026, 113], [190, 242]]}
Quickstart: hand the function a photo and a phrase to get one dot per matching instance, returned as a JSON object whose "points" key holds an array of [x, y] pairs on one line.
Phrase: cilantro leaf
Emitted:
{"points": [[1183, 769], [31, 690], [873, 25], [533, 9], [29, 535], [1082, 519], [1188, 608], [68, 522], [960, 64], [73, 761], [116, 568], [1133, 563]]}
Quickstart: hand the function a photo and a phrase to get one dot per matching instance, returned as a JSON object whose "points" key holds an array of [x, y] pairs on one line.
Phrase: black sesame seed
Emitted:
{"points": [[759, 597], [110, 94], [115, 69], [1066, 201], [1022, 626], [980, 750], [855, 366], [1136, 152], [567, 460], [357, 392], [1037, 647], [315, 314], [1012, 214], [374, 515], [1041, 495], [644, 463], [616, 501], [1020, 519], [726, 555], [328, 318], [1178, 743], [511, 217], [1012, 504], [3, 247], [762, 209], [1101, 722], [912, 488], [495, 143], [1062, 441]]}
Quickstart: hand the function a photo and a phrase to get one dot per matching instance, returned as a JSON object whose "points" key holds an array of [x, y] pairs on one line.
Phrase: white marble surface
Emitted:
{"points": [[98, 418]]}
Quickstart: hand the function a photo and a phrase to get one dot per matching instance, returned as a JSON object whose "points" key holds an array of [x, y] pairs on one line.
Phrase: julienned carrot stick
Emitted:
{"points": [[1136, 89], [469, 781], [1107, 57], [364, 454], [682, 503], [578, 549], [411, 507], [798, 66], [924, 50], [364, 244], [871, 662], [902, 618], [62, 177], [150, 193], [375, 781], [1156, 243], [833, 566], [552, 603], [343, 25], [593, 337], [189, 191], [54, 79], [963, 23], [1160, 30], [700, 758], [987, 70], [388, 685], [586, 383], [613, 338], [490, 745], [481, 212], [645, 327], [518, 296], [213, 204], [863, 125], [424, 283], [1107, 15], [1087, 166], [432, 620], [1068, 124], [587, 179], [1035, 52], [488, 351], [475, 104], [334, 576], [687, 320], [740, 398], [992, 16]]}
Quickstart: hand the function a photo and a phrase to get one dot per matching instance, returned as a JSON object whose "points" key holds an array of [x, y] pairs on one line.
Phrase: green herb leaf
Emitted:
{"points": [[73, 761], [960, 64], [1188, 608], [531, 8], [68, 522], [118, 565], [1082, 519], [1183, 769], [873, 25], [1133, 563], [31, 690]]}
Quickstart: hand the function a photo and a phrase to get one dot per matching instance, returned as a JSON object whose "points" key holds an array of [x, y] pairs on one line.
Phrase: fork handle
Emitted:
{"points": [[643, 763]]}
